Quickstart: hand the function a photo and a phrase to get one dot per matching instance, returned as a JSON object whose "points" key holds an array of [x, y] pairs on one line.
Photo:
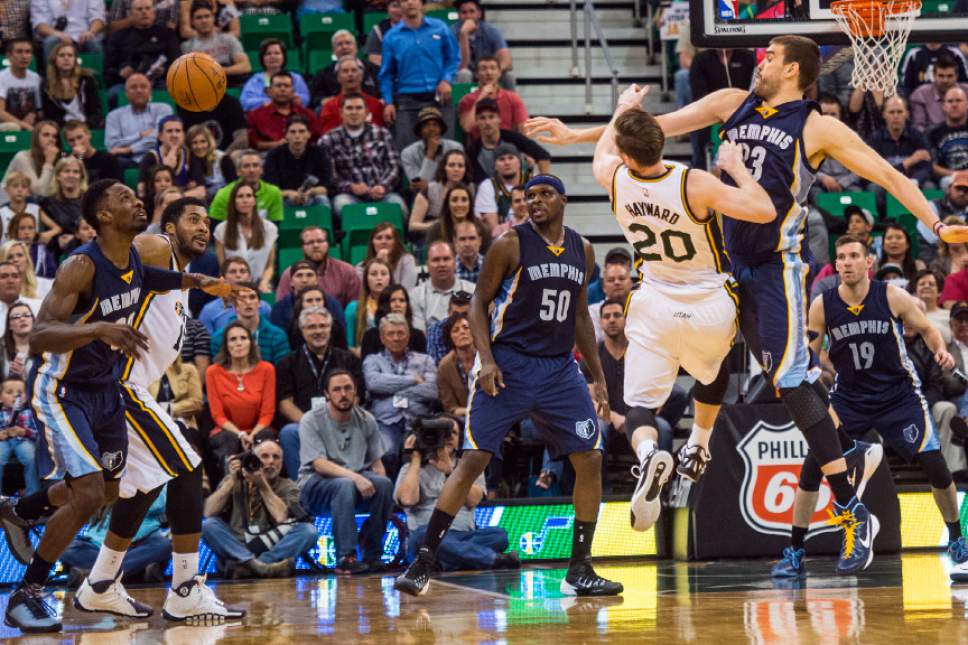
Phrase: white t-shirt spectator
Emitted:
{"points": [[257, 258], [22, 95], [220, 46], [486, 199]]}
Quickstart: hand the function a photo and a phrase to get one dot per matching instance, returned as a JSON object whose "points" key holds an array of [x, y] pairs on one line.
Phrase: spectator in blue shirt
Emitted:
{"points": [[272, 56], [420, 57], [218, 313], [479, 39], [132, 130]]}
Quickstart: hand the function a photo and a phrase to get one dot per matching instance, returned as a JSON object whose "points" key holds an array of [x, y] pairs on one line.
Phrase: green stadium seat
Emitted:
{"points": [[450, 16], [5, 62], [131, 178], [834, 204], [296, 218], [97, 139], [357, 254], [268, 297], [93, 62], [365, 216], [372, 19], [234, 91], [316, 29], [11, 143], [288, 255], [293, 60], [318, 59], [257, 28], [157, 96]]}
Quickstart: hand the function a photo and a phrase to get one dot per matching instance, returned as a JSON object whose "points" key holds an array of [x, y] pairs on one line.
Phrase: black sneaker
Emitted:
{"points": [[16, 531], [582, 580], [416, 578], [350, 565], [508, 560], [693, 461], [28, 612]]}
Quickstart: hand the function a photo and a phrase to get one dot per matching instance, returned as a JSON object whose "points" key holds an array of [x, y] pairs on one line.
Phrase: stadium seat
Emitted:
{"points": [[95, 63], [834, 204], [894, 209], [365, 216], [316, 29], [5, 62], [11, 143], [296, 218], [450, 16], [372, 19], [157, 96], [234, 91], [97, 139], [131, 178], [257, 28], [318, 59], [268, 297], [288, 255]]}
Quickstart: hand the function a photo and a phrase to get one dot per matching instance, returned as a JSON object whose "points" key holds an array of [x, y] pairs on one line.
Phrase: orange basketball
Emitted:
{"points": [[196, 82]]}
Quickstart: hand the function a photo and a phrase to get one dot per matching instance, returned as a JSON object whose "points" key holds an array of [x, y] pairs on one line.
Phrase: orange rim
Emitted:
{"points": [[866, 18]]}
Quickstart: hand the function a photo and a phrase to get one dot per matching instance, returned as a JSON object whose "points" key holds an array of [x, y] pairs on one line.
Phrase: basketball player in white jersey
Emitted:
{"points": [[159, 452], [684, 314]]}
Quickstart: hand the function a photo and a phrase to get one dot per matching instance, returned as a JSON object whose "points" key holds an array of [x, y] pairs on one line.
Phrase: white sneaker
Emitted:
{"points": [[109, 596], [195, 602], [959, 572], [653, 473]]}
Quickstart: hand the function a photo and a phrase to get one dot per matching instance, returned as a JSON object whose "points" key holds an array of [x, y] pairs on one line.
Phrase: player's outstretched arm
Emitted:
{"points": [[712, 108], [585, 338], [501, 260], [54, 331], [156, 279], [904, 306], [545, 129], [607, 159], [816, 325], [747, 201]]}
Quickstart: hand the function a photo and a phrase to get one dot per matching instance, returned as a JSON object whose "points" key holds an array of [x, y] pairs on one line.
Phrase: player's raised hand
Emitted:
{"points": [[729, 158], [954, 234], [633, 96], [545, 129], [600, 396], [123, 337], [217, 287], [945, 360], [492, 381]]}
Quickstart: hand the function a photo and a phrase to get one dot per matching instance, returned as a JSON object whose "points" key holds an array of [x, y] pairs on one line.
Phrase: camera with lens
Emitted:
{"points": [[250, 462], [430, 436]]}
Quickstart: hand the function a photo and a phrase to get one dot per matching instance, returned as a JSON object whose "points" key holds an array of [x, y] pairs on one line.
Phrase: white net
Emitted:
{"points": [[878, 31]]}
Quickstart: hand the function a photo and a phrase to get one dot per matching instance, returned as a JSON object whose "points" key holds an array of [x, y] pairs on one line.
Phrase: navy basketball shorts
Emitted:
{"points": [[551, 389], [82, 429], [773, 318], [906, 426]]}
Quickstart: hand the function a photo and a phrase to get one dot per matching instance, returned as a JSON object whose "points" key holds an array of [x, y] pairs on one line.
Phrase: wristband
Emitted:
{"points": [[937, 225]]}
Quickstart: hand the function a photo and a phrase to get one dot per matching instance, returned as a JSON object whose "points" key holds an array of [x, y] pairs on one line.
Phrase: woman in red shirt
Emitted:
{"points": [[241, 395]]}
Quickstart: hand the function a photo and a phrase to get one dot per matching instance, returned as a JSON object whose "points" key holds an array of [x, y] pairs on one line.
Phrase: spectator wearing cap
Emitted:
{"points": [[949, 139], [492, 203], [349, 75], [509, 104], [518, 214], [366, 164], [336, 278], [303, 276], [422, 157], [617, 285], [478, 38], [430, 299], [482, 152], [616, 255], [326, 82], [437, 346], [420, 58], [893, 273], [267, 124], [301, 171], [902, 145]]}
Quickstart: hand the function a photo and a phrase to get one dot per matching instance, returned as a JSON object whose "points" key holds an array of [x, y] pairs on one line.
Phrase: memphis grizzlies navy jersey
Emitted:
{"points": [[534, 312], [772, 143], [868, 351], [117, 296]]}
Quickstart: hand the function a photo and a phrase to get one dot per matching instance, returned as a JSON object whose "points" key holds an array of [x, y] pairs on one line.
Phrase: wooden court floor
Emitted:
{"points": [[906, 599]]}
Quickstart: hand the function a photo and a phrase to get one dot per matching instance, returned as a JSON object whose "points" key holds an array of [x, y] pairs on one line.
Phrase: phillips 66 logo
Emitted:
{"points": [[772, 456]]}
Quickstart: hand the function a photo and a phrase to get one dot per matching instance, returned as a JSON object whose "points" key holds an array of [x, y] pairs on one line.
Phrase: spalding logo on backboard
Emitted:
{"points": [[772, 456]]}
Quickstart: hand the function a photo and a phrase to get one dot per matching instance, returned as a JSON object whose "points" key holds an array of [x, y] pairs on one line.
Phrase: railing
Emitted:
{"points": [[591, 26]]}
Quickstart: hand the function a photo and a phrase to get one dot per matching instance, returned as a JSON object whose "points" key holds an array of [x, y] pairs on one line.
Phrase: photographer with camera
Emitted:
{"points": [[253, 520], [431, 450], [340, 448]]}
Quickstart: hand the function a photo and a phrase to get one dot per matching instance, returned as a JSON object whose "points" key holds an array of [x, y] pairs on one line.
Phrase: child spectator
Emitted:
{"points": [[18, 430]]}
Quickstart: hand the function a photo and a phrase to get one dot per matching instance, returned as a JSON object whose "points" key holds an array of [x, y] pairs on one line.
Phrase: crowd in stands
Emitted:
{"points": [[353, 192]]}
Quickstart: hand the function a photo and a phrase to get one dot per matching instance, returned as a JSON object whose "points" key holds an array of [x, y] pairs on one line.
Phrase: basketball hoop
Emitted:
{"points": [[878, 31]]}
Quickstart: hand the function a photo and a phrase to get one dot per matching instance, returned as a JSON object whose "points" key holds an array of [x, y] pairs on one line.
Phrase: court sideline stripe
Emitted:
{"points": [[454, 585]]}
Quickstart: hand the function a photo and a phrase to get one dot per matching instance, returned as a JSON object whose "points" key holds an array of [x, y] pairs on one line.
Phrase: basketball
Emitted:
{"points": [[196, 82]]}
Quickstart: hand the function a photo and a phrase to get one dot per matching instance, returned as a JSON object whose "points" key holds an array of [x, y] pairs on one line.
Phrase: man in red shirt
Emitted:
{"points": [[349, 73], [267, 124], [509, 104]]}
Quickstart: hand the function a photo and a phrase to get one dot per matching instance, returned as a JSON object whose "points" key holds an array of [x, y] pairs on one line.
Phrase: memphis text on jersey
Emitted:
{"points": [[861, 327], [556, 270], [749, 131], [120, 301]]}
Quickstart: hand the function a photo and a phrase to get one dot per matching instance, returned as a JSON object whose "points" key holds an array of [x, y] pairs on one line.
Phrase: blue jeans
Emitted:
{"points": [[24, 450], [339, 497], [82, 553], [289, 440], [222, 541], [460, 550], [393, 435], [529, 431], [683, 90]]}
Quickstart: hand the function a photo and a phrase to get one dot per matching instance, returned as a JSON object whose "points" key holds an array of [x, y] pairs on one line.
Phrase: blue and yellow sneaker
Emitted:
{"points": [[860, 528], [792, 565], [958, 550]]}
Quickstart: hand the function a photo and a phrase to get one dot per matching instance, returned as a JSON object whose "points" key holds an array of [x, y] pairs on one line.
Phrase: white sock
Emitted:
{"points": [[646, 446], [184, 567], [700, 436], [107, 565]]}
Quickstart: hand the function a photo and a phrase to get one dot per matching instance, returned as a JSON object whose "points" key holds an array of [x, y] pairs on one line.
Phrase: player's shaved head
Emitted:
{"points": [[639, 137], [805, 53]]}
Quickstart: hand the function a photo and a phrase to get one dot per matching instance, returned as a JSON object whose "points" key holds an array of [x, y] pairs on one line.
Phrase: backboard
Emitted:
{"points": [[752, 23]]}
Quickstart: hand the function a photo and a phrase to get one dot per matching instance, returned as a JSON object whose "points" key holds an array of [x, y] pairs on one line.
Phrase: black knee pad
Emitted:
{"points": [[184, 503], [810, 474], [638, 417], [822, 392], [935, 467], [713, 393], [127, 514], [805, 405]]}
